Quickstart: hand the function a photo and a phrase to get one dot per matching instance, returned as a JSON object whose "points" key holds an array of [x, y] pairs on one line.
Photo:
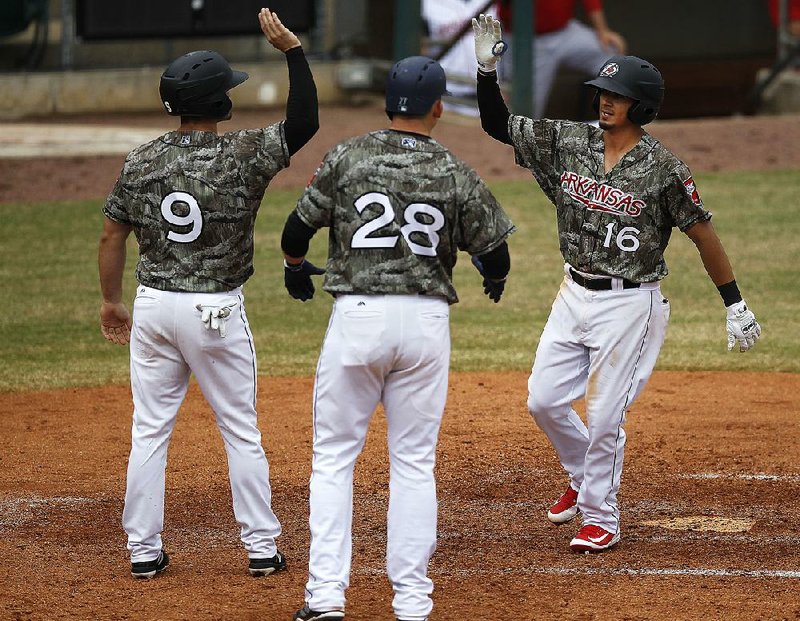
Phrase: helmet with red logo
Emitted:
{"points": [[635, 78]]}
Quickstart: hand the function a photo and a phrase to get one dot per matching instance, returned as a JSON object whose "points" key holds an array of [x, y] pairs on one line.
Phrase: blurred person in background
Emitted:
{"points": [[562, 41], [444, 19], [793, 23]]}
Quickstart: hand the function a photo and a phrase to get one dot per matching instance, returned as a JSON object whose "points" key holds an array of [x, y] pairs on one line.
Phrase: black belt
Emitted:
{"points": [[600, 284]]}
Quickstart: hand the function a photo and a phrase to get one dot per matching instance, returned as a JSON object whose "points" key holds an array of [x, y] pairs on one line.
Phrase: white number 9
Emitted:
{"points": [[193, 218]]}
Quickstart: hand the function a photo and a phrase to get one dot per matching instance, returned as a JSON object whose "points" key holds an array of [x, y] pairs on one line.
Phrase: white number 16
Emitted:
{"points": [[626, 238]]}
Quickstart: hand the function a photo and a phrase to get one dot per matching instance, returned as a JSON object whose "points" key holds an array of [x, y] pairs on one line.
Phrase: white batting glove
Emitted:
{"points": [[742, 327], [214, 317], [489, 44]]}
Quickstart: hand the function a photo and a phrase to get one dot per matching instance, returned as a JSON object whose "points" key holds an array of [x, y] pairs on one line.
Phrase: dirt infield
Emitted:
{"points": [[710, 501], [710, 496], [745, 143]]}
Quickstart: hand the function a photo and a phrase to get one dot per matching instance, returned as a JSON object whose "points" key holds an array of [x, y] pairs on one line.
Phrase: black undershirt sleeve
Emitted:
{"points": [[302, 108], [497, 263], [296, 236], [730, 293], [494, 113]]}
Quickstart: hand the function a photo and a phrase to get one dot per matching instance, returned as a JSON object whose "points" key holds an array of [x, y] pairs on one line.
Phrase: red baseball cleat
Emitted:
{"points": [[592, 538], [565, 508]]}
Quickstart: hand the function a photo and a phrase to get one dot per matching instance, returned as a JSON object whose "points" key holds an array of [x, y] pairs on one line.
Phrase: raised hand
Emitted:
{"points": [[489, 44], [277, 34]]}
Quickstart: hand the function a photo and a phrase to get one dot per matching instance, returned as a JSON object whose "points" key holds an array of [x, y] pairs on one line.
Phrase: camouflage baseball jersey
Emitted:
{"points": [[192, 199], [615, 224], [399, 207]]}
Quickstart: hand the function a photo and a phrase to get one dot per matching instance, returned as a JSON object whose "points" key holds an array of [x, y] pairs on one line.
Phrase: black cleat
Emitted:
{"points": [[266, 566], [148, 569], [306, 614]]}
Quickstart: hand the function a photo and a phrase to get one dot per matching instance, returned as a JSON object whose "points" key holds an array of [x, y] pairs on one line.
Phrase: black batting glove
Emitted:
{"points": [[297, 279], [491, 287]]}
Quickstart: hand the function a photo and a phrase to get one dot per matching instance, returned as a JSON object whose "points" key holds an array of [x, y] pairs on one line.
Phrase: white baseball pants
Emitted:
{"points": [[395, 350], [604, 345], [168, 343]]}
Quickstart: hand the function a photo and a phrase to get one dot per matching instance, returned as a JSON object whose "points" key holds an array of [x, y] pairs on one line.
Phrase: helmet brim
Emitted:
{"points": [[237, 77], [609, 84]]}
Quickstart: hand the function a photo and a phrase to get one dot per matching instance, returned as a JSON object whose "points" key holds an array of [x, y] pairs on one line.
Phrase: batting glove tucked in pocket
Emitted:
{"points": [[215, 317]]}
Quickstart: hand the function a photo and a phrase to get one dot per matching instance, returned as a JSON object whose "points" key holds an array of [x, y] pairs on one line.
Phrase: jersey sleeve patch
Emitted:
{"points": [[691, 190], [314, 175]]}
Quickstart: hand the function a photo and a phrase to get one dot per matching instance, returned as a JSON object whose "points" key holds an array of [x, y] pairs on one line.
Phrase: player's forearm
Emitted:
{"points": [[295, 239], [493, 109], [111, 263], [713, 255], [302, 107], [111, 259]]}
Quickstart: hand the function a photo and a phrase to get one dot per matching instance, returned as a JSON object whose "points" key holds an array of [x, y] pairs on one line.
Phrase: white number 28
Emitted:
{"points": [[626, 239], [194, 218], [412, 225]]}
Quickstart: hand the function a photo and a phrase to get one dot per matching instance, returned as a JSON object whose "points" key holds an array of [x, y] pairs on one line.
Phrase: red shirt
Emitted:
{"points": [[794, 11], [550, 15]]}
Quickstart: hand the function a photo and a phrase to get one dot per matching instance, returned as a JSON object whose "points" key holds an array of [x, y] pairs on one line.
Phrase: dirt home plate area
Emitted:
{"points": [[710, 496]]}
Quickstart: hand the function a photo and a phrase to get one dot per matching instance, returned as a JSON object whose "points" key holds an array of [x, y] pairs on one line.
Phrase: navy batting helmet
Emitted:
{"points": [[196, 85], [413, 85], [635, 78]]}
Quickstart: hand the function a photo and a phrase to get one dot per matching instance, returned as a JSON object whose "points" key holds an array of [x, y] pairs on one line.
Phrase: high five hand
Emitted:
{"points": [[277, 34], [489, 44]]}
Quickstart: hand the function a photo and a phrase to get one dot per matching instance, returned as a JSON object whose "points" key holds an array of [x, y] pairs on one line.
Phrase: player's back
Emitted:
{"points": [[192, 198], [406, 166], [401, 202]]}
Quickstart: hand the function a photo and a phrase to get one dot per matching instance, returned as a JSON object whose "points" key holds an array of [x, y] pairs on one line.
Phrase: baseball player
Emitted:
{"points": [[399, 206], [191, 197], [618, 194]]}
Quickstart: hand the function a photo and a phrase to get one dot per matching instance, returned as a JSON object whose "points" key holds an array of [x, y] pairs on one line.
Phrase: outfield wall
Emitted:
{"points": [[136, 90]]}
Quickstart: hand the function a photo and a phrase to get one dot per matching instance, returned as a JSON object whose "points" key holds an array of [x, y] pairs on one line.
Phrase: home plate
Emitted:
{"points": [[705, 523]]}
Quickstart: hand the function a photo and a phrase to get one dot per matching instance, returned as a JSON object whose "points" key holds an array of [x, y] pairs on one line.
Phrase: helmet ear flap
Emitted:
{"points": [[640, 115], [637, 113]]}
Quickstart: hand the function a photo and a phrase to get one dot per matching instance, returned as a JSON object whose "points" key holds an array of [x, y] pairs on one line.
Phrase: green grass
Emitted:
{"points": [[49, 335]]}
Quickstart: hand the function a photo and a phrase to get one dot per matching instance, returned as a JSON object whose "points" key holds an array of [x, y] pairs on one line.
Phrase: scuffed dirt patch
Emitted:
{"points": [[687, 459]]}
